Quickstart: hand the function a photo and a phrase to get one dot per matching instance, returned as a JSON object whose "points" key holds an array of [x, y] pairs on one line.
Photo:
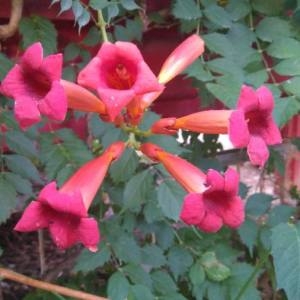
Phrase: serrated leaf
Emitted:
{"points": [[38, 29], [118, 287], [88, 261], [23, 166], [197, 70], [138, 275], [71, 51], [271, 28], [170, 197], [123, 169], [65, 5], [21, 185], [284, 47], [258, 204], [292, 86], [238, 9], [139, 292], [8, 198], [248, 232], [268, 7], [163, 282], [92, 38], [288, 66], [129, 4], [133, 30], [285, 109], [168, 143], [285, 250], [20, 143], [179, 260], [197, 274], [77, 9], [280, 214], [112, 11], [153, 256], [214, 269], [218, 16], [136, 189], [99, 4], [83, 19], [121, 244], [5, 65], [165, 236], [186, 9]]}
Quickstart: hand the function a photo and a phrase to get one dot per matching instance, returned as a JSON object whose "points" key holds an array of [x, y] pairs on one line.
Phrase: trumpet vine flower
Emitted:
{"points": [[212, 200], [34, 84], [209, 121], [64, 211], [180, 58], [119, 74], [252, 124]]}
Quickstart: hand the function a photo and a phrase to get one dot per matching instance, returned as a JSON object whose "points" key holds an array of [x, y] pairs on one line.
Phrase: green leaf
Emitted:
{"points": [[99, 4], [139, 292], [179, 260], [285, 109], [77, 9], [152, 211], [71, 51], [38, 29], [153, 256], [83, 19], [112, 11], [258, 204], [133, 30], [248, 232], [121, 244], [163, 282], [124, 168], [197, 70], [238, 9], [186, 9], [218, 16], [88, 261], [23, 166], [268, 7], [280, 214], [129, 4], [136, 189], [272, 28], [214, 269], [92, 38], [22, 186], [286, 257], [118, 287], [170, 196], [169, 143], [138, 275], [20, 143], [284, 47], [8, 198], [5, 65], [290, 66], [197, 274], [227, 93], [65, 5], [165, 236], [292, 86]]}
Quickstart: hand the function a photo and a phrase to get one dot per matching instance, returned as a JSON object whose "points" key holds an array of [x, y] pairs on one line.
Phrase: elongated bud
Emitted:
{"points": [[189, 176], [90, 176], [184, 55], [82, 99]]}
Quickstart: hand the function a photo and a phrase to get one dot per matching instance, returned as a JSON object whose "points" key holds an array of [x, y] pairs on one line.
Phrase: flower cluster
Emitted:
{"points": [[125, 87]]}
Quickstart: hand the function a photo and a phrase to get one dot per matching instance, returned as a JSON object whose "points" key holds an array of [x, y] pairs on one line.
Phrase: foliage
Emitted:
{"points": [[145, 251]]}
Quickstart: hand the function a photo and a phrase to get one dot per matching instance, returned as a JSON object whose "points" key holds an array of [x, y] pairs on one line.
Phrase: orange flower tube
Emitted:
{"points": [[189, 176]]}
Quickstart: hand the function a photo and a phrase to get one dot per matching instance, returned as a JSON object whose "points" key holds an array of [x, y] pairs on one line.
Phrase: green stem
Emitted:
{"points": [[102, 25]]}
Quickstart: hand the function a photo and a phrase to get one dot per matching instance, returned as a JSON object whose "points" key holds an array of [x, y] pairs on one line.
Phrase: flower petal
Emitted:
{"points": [[271, 133], [88, 233], [214, 180], [211, 222], [248, 99], [257, 150], [33, 218], [52, 66], [54, 105], [238, 129], [89, 76], [234, 215], [13, 85], [231, 181], [62, 202], [32, 57], [26, 112], [192, 211], [115, 100], [265, 99]]}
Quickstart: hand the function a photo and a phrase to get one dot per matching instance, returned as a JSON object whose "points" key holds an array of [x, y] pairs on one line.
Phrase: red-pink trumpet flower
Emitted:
{"points": [[34, 84], [212, 200], [64, 210]]}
